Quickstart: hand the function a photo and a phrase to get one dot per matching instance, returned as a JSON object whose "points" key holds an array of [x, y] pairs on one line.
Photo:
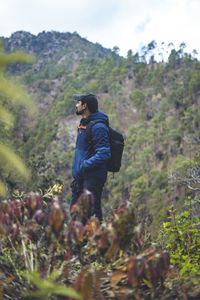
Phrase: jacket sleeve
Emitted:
{"points": [[101, 146]]}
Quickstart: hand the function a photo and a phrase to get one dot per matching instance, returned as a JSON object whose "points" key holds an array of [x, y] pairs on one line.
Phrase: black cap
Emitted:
{"points": [[88, 98], [85, 97]]}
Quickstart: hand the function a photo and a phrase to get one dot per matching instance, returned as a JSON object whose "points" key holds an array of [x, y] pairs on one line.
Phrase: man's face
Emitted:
{"points": [[80, 107]]}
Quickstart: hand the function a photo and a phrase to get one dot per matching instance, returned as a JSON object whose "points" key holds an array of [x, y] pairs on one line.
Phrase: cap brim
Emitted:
{"points": [[77, 97]]}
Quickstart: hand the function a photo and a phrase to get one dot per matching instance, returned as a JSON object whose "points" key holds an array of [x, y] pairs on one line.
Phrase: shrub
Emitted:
{"points": [[181, 236]]}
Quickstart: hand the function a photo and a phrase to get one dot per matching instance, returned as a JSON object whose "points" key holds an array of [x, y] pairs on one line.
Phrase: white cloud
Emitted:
{"points": [[126, 24]]}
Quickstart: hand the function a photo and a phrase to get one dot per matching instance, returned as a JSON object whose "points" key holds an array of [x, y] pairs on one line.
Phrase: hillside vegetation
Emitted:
{"points": [[155, 105], [148, 245]]}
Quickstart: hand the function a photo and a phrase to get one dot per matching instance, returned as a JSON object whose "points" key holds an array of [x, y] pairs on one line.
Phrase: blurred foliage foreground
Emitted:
{"points": [[11, 94], [46, 255]]}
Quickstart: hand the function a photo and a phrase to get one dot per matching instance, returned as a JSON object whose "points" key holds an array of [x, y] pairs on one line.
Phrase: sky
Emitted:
{"points": [[127, 24]]}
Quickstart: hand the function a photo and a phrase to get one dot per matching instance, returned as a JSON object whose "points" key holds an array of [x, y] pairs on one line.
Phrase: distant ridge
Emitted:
{"points": [[46, 40]]}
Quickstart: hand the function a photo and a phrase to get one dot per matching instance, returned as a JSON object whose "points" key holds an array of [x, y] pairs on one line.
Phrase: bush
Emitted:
{"points": [[181, 236], [138, 97]]}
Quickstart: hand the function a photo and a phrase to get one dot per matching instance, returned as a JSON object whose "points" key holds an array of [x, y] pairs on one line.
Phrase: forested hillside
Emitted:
{"points": [[155, 105], [150, 206]]}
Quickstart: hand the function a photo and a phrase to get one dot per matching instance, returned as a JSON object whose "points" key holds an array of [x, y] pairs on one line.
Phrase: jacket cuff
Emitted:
{"points": [[84, 165]]}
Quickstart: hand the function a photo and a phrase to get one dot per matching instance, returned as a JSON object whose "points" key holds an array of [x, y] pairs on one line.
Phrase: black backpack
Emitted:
{"points": [[116, 145]]}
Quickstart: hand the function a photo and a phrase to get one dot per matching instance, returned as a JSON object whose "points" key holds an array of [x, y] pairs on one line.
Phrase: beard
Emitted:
{"points": [[79, 113]]}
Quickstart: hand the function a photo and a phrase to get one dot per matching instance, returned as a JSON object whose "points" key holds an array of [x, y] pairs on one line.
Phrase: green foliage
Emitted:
{"points": [[157, 209], [10, 92], [181, 163], [146, 159], [194, 84], [48, 287], [138, 97], [158, 180], [180, 168], [138, 191], [140, 75], [173, 59], [182, 238]]}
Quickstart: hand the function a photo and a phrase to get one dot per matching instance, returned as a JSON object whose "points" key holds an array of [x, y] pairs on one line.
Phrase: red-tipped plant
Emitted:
{"points": [[57, 216]]}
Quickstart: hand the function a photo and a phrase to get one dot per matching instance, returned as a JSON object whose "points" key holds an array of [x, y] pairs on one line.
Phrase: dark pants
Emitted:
{"points": [[95, 186]]}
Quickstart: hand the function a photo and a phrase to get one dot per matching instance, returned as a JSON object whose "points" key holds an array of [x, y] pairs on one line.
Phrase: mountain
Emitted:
{"points": [[154, 104], [52, 48], [47, 44]]}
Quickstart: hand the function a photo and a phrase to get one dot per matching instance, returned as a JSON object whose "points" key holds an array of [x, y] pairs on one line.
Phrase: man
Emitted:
{"points": [[89, 165]]}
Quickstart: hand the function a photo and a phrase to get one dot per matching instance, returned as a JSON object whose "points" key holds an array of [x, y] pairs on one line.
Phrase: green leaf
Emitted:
{"points": [[8, 156], [6, 117], [48, 287], [185, 214], [2, 189], [15, 57], [15, 93], [166, 224]]}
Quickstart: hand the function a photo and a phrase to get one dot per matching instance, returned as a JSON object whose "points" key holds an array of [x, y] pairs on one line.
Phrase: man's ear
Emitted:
{"points": [[85, 105]]}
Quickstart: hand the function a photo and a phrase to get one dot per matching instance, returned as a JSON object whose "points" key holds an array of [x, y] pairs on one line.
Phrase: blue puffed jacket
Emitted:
{"points": [[90, 158]]}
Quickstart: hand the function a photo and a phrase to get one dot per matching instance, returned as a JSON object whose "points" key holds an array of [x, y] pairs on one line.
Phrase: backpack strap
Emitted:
{"points": [[89, 128]]}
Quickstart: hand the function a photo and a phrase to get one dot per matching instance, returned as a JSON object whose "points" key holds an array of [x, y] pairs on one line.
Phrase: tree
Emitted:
{"points": [[138, 97], [194, 84], [139, 191], [181, 49], [187, 172]]}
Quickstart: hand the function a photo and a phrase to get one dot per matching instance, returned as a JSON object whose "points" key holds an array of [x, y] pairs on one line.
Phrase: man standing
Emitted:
{"points": [[89, 165]]}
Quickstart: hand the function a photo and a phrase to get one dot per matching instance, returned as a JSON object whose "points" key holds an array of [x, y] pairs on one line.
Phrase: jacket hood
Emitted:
{"points": [[98, 115]]}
